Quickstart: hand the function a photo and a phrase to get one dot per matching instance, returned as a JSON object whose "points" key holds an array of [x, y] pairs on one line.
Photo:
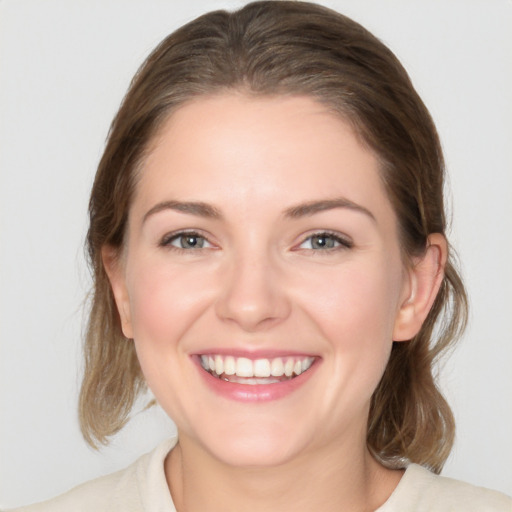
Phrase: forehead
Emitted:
{"points": [[236, 150]]}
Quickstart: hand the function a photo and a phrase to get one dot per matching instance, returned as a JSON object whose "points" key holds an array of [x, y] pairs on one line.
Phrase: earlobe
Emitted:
{"points": [[115, 272], [425, 279]]}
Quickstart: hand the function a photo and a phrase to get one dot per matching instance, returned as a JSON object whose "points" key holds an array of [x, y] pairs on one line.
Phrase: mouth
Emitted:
{"points": [[242, 370]]}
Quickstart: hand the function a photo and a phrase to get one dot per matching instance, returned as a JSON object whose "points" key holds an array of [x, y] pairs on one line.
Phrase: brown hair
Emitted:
{"points": [[285, 48]]}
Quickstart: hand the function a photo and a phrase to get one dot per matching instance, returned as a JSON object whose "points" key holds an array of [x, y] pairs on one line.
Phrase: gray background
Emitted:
{"points": [[64, 67]]}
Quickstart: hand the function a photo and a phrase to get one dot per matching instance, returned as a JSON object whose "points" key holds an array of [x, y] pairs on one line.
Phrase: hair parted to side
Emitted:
{"points": [[285, 48]]}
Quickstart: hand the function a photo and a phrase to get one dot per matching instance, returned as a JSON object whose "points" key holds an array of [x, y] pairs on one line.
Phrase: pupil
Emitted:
{"points": [[190, 241], [322, 242]]}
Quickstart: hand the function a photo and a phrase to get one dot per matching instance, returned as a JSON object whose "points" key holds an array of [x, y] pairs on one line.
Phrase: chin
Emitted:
{"points": [[252, 453], [252, 446]]}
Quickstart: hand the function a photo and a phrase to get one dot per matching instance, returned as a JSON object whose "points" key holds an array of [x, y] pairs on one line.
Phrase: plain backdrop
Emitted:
{"points": [[64, 67]]}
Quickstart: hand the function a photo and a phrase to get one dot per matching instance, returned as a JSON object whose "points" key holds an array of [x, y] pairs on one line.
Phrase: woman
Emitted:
{"points": [[268, 243]]}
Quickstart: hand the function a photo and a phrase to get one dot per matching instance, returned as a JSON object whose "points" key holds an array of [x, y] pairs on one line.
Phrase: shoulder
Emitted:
{"points": [[422, 491], [100, 495], [139, 487]]}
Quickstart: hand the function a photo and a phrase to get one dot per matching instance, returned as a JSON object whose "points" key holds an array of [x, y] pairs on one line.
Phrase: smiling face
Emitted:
{"points": [[262, 278]]}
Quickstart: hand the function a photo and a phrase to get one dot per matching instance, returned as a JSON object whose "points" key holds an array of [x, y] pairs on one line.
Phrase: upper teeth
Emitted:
{"points": [[244, 367]]}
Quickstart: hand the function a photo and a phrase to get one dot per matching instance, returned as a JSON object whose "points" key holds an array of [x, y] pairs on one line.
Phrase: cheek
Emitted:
{"points": [[355, 311], [358, 298], [164, 302]]}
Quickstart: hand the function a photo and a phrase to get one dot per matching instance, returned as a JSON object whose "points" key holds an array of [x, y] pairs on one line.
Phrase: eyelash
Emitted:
{"points": [[167, 240], [343, 243]]}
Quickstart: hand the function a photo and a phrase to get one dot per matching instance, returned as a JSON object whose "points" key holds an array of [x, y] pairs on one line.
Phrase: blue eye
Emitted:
{"points": [[186, 241], [324, 241]]}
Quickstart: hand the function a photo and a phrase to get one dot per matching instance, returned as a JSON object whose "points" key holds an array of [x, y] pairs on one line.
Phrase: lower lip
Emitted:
{"points": [[256, 392]]}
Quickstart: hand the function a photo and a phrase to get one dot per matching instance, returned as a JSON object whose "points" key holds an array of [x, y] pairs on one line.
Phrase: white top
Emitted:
{"points": [[142, 487]]}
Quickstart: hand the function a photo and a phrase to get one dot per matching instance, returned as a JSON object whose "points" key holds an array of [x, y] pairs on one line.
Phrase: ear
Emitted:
{"points": [[425, 278], [112, 261]]}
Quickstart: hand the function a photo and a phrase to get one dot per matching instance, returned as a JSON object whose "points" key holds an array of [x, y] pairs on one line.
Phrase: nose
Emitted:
{"points": [[253, 294]]}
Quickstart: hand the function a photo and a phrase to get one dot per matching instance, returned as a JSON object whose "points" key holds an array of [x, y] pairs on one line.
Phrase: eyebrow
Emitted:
{"points": [[201, 209], [312, 207], [193, 208]]}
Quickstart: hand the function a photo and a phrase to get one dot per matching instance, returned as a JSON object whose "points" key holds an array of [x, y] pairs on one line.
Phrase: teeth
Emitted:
{"points": [[277, 367], [219, 365], [288, 367], [244, 367], [259, 370], [230, 365], [306, 363], [262, 368], [252, 382]]}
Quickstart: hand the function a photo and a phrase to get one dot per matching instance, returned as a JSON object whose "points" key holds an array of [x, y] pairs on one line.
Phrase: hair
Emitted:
{"points": [[274, 48]]}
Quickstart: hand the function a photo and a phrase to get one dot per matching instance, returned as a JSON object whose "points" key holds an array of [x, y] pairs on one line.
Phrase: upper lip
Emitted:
{"points": [[254, 354]]}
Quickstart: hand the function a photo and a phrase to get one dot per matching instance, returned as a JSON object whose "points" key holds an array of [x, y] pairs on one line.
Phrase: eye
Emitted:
{"points": [[186, 241], [325, 242]]}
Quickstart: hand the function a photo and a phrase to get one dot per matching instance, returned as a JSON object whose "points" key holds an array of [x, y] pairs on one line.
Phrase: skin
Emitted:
{"points": [[258, 284]]}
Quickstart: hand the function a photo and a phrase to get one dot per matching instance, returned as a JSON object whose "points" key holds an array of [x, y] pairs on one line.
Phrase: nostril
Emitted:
{"points": [[252, 294], [253, 302]]}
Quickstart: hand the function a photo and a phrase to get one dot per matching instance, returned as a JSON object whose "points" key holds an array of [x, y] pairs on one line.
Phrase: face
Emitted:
{"points": [[262, 279]]}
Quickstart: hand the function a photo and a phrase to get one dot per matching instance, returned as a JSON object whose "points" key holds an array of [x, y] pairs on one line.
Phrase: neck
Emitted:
{"points": [[332, 479]]}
